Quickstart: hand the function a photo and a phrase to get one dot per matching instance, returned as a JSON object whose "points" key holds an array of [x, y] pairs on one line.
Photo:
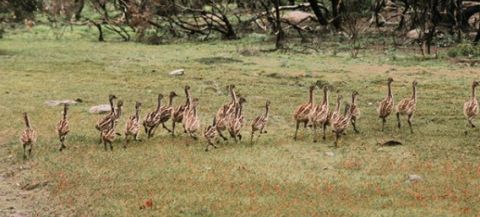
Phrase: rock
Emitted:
{"points": [[414, 178], [474, 20], [298, 17], [61, 102], [100, 109], [413, 34], [178, 72], [329, 154]]}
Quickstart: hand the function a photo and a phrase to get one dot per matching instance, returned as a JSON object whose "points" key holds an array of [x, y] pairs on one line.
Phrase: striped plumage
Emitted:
{"points": [[104, 123], [385, 107], [177, 116], [166, 112], [341, 123], [28, 137], [192, 123], [152, 119], [470, 107], [211, 134], [188, 110], [108, 136], [63, 127], [303, 112], [132, 127], [260, 122], [335, 114], [355, 111], [235, 124], [226, 112], [407, 107], [319, 116]]}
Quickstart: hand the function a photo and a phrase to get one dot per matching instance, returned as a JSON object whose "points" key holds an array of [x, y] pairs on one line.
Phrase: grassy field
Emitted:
{"points": [[274, 177]]}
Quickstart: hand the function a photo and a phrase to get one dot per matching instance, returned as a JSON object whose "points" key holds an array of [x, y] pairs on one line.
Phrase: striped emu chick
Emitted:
{"points": [[319, 117], [470, 107], [152, 119], [177, 116], [63, 127], [235, 124], [192, 123], [28, 137], [118, 110], [335, 114], [407, 107], [104, 123], [385, 107], [340, 125], [303, 112], [260, 122], [211, 134], [226, 112], [132, 126], [166, 112], [108, 136], [355, 111], [188, 110]]}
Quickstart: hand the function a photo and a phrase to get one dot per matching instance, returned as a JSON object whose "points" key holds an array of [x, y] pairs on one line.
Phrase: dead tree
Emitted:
{"points": [[115, 23], [203, 21]]}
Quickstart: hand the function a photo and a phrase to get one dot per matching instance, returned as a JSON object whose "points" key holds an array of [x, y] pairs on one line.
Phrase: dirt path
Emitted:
{"points": [[17, 196]]}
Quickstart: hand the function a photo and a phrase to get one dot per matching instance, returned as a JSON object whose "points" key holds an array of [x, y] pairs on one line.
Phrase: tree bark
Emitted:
{"points": [[280, 33], [79, 4], [100, 31], [335, 12], [318, 13]]}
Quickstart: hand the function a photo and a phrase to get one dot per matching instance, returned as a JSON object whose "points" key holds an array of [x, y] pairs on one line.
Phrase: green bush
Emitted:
{"points": [[465, 50]]}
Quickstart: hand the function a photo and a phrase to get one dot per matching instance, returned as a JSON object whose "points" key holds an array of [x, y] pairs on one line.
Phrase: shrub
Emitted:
{"points": [[465, 50]]}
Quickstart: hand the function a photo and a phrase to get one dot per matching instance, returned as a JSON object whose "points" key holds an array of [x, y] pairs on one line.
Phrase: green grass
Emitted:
{"points": [[274, 177]]}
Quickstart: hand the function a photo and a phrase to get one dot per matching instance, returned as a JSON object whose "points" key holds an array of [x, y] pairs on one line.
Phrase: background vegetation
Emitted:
{"points": [[428, 24]]}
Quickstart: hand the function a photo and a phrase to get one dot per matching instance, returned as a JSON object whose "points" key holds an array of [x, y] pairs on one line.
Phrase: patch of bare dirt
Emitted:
{"points": [[18, 195]]}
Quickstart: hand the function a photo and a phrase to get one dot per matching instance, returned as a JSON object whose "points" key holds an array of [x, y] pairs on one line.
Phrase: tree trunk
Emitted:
{"points": [[280, 33], [100, 31], [78, 8], [318, 13], [335, 12]]}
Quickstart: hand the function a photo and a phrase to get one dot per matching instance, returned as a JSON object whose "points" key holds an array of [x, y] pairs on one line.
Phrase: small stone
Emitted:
{"points": [[100, 109], [414, 178], [178, 72], [329, 153]]}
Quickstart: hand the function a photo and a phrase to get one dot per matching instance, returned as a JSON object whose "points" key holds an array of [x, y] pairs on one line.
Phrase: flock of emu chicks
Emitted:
{"points": [[320, 115], [230, 118]]}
